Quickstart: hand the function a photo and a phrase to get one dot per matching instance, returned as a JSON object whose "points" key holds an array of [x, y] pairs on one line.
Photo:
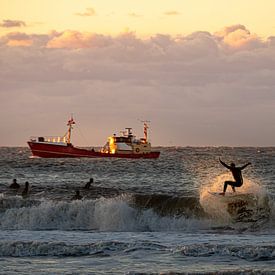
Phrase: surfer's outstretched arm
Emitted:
{"points": [[224, 164], [249, 163]]}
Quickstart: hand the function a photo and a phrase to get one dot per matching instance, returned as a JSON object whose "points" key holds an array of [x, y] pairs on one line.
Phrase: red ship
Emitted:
{"points": [[124, 146]]}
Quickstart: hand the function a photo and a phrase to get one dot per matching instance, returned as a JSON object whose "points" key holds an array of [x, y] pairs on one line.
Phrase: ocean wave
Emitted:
{"points": [[99, 249], [247, 252], [104, 214], [168, 205], [111, 248], [7, 202], [135, 213], [251, 204]]}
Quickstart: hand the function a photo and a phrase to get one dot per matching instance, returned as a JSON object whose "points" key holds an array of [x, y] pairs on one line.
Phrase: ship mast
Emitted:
{"points": [[70, 124], [145, 129]]}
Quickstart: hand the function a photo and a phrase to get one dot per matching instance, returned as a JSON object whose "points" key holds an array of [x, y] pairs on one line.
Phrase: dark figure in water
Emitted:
{"points": [[77, 195], [14, 184], [26, 189], [237, 175], [88, 184]]}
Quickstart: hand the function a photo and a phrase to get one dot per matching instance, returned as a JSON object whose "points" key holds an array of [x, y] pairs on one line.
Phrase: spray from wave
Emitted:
{"points": [[250, 204]]}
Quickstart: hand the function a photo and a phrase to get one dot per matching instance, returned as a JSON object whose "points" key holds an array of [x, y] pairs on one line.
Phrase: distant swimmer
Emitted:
{"points": [[14, 184], [88, 184], [237, 175], [77, 195], [26, 189]]}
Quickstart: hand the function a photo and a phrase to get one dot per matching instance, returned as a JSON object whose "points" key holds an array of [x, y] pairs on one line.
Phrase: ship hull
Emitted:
{"points": [[50, 150]]}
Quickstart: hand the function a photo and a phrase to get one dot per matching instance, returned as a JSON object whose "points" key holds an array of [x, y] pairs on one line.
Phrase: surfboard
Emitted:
{"points": [[215, 193], [232, 195]]}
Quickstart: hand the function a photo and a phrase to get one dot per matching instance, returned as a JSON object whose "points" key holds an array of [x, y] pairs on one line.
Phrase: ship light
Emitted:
{"points": [[113, 151], [111, 141]]}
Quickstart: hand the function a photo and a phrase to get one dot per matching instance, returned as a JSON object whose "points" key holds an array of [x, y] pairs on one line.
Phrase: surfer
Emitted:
{"points": [[77, 195], [237, 175], [14, 184], [25, 192], [88, 184]]}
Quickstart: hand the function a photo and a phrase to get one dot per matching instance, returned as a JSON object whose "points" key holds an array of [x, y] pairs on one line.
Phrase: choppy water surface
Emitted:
{"points": [[139, 216]]}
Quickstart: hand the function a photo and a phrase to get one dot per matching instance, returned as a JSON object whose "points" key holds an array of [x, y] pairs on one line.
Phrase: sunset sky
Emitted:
{"points": [[202, 71]]}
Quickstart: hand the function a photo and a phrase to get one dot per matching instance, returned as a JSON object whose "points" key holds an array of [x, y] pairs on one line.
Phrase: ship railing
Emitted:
{"points": [[49, 139]]}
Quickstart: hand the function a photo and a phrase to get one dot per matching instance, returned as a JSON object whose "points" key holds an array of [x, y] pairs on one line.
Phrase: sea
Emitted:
{"points": [[139, 216]]}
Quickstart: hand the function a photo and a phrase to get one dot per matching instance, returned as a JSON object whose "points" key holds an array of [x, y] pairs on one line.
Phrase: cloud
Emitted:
{"points": [[75, 39], [12, 23], [18, 39], [171, 13], [135, 15], [231, 29], [271, 40], [198, 88], [18, 36], [239, 37], [88, 12]]}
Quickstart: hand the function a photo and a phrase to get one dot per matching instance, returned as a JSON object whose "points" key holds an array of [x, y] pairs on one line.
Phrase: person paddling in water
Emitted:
{"points": [[237, 175]]}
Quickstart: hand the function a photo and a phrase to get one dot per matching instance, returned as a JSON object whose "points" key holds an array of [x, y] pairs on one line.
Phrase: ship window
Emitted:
{"points": [[123, 139]]}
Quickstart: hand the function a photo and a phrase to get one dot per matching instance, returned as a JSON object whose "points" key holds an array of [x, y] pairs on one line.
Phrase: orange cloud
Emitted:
{"points": [[17, 43], [18, 39], [238, 37], [75, 39]]}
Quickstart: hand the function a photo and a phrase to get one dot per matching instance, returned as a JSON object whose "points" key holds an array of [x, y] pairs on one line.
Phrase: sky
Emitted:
{"points": [[201, 71]]}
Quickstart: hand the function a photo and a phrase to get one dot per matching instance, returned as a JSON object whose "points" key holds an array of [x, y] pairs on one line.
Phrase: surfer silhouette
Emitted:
{"points": [[25, 192], [88, 184], [237, 175], [14, 184], [77, 195]]}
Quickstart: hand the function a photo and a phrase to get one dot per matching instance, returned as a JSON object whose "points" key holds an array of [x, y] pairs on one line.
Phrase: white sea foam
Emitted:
{"points": [[116, 214], [112, 214]]}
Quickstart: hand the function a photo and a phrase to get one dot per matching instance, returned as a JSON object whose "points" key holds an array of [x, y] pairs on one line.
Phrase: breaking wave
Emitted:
{"points": [[137, 213], [122, 213], [251, 204]]}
